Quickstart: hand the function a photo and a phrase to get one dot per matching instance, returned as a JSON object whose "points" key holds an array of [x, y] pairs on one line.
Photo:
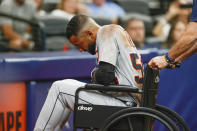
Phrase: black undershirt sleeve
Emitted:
{"points": [[105, 74]]}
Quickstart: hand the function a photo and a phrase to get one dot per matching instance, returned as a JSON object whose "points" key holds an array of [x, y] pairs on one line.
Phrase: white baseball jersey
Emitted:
{"points": [[114, 46]]}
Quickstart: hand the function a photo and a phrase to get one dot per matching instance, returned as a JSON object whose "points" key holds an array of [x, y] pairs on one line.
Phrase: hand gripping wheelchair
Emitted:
{"points": [[115, 118]]}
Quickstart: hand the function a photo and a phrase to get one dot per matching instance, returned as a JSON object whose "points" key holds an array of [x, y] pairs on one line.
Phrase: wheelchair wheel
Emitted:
{"points": [[180, 123], [130, 114]]}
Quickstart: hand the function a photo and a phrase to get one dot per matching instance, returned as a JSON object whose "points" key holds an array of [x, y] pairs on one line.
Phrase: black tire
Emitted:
{"points": [[178, 120], [139, 111]]}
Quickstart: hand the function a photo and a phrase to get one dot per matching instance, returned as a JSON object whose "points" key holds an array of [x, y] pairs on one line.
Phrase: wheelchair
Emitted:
{"points": [[114, 118]]}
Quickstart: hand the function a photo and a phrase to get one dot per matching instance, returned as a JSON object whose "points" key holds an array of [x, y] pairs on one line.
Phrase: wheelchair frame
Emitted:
{"points": [[149, 109]]}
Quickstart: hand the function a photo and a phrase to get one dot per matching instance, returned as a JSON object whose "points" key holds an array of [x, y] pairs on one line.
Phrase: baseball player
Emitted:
{"points": [[118, 63], [183, 49]]}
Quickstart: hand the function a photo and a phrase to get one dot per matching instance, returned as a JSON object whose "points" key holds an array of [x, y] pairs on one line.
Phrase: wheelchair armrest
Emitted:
{"points": [[112, 88]]}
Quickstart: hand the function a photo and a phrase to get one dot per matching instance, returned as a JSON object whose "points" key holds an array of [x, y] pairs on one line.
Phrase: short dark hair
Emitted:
{"points": [[75, 25]]}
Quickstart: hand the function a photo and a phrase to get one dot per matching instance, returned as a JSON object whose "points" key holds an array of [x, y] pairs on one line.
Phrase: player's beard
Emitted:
{"points": [[91, 48]]}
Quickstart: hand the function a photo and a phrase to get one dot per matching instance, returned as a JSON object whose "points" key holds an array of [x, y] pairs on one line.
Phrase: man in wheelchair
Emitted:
{"points": [[119, 63]]}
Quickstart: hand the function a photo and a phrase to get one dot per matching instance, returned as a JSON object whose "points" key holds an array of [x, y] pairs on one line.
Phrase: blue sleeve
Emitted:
{"points": [[193, 16]]}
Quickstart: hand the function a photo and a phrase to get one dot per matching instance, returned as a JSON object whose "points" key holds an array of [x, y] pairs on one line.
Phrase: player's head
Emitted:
{"points": [[81, 32]]}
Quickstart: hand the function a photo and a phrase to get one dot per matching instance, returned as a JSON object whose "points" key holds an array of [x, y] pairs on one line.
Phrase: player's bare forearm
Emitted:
{"points": [[182, 49]]}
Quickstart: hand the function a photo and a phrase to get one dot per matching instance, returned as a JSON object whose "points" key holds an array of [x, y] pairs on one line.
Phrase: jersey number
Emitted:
{"points": [[134, 57]]}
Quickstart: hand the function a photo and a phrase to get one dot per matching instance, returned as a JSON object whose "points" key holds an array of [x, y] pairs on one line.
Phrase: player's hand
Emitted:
{"points": [[158, 62], [139, 98], [93, 77]]}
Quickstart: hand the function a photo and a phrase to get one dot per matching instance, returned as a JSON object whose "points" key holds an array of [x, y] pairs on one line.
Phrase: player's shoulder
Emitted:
{"points": [[111, 29]]}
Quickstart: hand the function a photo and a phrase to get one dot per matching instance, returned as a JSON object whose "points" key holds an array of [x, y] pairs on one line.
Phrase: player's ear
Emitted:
{"points": [[73, 39], [89, 34]]}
